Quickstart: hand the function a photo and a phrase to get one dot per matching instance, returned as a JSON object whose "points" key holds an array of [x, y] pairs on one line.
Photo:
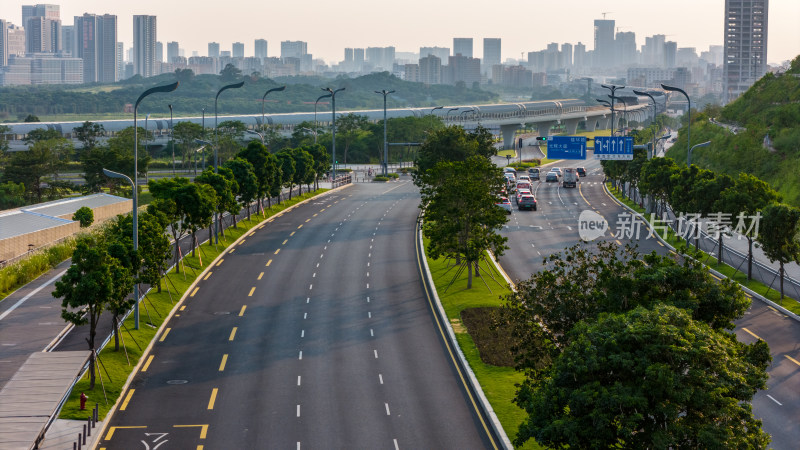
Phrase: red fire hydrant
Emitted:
{"points": [[83, 401]]}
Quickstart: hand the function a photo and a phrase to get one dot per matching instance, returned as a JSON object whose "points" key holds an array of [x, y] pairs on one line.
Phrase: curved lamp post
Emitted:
{"points": [[384, 92], [689, 110], [135, 182], [171, 144], [651, 153], [434, 109], [613, 89], [311, 131], [315, 113], [624, 105], [689, 156], [256, 132], [263, 100], [333, 126], [224, 88], [449, 111]]}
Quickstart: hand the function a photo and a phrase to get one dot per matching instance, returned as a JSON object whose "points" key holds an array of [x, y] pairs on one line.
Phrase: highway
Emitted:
{"points": [[313, 332], [536, 234]]}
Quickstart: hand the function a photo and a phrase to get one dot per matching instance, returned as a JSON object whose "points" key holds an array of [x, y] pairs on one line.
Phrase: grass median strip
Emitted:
{"points": [[497, 382], [116, 366]]}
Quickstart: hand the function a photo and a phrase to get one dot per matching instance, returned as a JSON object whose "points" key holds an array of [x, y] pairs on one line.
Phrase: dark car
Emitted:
{"points": [[527, 201], [551, 177], [581, 171]]}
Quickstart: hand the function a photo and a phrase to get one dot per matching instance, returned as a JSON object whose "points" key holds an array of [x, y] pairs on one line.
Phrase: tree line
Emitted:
{"points": [[105, 266]]}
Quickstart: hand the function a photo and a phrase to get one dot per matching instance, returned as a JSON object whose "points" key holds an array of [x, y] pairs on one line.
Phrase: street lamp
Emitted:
{"points": [[613, 89], [449, 111], [655, 107], [315, 113], [256, 132], [333, 127], [689, 156], [146, 140], [171, 144], [689, 123], [312, 131], [202, 134], [624, 105], [384, 92], [135, 183], [216, 162], [263, 100], [434, 109]]}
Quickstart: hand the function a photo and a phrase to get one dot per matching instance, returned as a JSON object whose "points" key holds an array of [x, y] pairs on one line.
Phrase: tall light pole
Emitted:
{"points": [[384, 92], [689, 110], [263, 100], [171, 144], [333, 126], [259, 135], [166, 88], [203, 135], [613, 89], [651, 153], [146, 140], [449, 111], [689, 155], [315, 113], [230, 86], [434, 109], [624, 105]]}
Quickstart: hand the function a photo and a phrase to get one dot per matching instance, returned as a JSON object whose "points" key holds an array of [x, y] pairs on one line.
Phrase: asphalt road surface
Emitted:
{"points": [[534, 235], [313, 332]]}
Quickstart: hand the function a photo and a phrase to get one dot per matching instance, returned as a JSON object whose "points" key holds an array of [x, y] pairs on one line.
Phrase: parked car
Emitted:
{"points": [[533, 172], [527, 201], [505, 204], [551, 177], [570, 178], [581, 171]]}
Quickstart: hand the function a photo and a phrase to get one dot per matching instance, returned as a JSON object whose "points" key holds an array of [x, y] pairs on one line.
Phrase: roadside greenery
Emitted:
{"points": [[22, 272]]}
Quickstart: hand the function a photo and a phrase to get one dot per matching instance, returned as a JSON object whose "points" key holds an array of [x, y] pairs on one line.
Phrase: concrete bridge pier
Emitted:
{"points": [[591, 124], [572, 126], [544, 127], [508, 135], [603, 122]]}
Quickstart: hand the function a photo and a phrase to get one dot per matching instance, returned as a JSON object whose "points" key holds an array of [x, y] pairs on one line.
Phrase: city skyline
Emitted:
{"points": [[373, 28]]}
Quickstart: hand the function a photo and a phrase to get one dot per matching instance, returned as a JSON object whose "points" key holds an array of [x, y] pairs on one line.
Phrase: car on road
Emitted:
{"points": [[552, 177], [510, 170], [581, 171], [533, 172], [524, 185], [527, 201], [520, 193], [558, 171], [570, 178], [524, 178], [505, 204]]}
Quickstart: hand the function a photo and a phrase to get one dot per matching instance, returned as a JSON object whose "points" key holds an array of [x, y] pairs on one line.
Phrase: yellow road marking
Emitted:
{"points": [[241, 313], [112, 429], [285, 241], [164, 336], [208, 275], [277, 251], [328, 206], [147, 364], [252, 233], [232, 250], [315, 215], [292, 233], [792, 359], [618, 242], [300, 226], [242, 242], [751, 333], [220, 262], [253, 289], [260, 275], [308, 220], [584, 198], [213, 398], [183, 307], [127, 399], [194, 292], [659, 243], [222, 364], [233, 334], [203, 429], [269, 262], [716, 277], [323, 209]]}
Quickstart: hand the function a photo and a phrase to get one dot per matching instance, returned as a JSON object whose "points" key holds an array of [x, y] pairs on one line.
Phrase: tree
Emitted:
{"points": [[12, 195], [4, 129], [322, 160], [656, 180], [275, 180], [84, 215], [224, 188], [88, 133], [349, 127], [31, 118], [745, 200], [230, 73], [227, 139], [304, 168], [450, 144], [778, 234], [30, 167], [286, 164], [246, 181], [42, 134], [648, 379], [257, 155], [184, 75], [85, 289], [123, 274], [116, 155], [186, 133], [154, 246]]}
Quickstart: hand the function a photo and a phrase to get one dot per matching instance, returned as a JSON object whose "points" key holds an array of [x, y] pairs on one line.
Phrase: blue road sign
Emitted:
{"points": [[566, 147], [613, 147]]}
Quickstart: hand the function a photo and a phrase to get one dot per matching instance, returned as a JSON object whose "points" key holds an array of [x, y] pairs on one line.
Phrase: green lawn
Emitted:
{"points": [[711, 261], [116, 367], [498, 383]]}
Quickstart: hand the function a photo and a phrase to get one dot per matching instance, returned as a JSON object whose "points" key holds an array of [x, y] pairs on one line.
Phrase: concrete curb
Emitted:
{"points": [[179, 303], [473, 381], [747, 290]]}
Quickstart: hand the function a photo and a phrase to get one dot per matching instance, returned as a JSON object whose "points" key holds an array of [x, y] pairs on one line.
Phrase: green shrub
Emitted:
{"points": [[84, 215], [380, 178], [17, 274]]}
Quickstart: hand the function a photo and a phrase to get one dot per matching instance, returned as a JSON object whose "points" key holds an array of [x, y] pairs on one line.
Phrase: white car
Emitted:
{"points": [[524, 178]]}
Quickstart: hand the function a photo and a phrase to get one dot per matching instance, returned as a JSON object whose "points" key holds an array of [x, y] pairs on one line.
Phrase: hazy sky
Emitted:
{"points": [[330, 26]]}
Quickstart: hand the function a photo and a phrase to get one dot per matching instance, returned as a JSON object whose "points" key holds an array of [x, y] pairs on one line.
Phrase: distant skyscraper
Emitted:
{"points": [[260, 48], [173, 51], [348, 56], [3, 43], [381, 58], [745, 53], [462, 46], [430, 69], [49, 12], [566, 55], [120, 60], [97, 46], [491, 54], [579, 56], [293, 49], [213, 49], [626, 48], [159, 51], [144, 45], [68, 39], [464, 69], [604, 51], [42, 35], [358, 57], [237, 50], [670, 54], [441, 52], [16, 40]]}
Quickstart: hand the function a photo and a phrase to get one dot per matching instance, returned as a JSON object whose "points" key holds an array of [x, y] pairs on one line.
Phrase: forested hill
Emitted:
{"points": [[767, 140], [197, 92]]}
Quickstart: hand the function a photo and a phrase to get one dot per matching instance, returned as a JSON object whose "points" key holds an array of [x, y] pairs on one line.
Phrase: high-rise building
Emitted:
{"points": [[3, 43], [173, 51], [463, 69], [430, 69], [670, 53], [96, 44], [260, 48], [604, 50], [626, 48], [441, 52], [462, 46], [381, 58], [411, 72], [293, 49], [745, 54], [566, 55], [42, 35], [579, 56], [49, 12], [144, 45], [358, 57], [237, 50], [16, 40], [120, 60], [159, 51], [68, 45], [348, 55], [491, 54], [213, 49]]}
